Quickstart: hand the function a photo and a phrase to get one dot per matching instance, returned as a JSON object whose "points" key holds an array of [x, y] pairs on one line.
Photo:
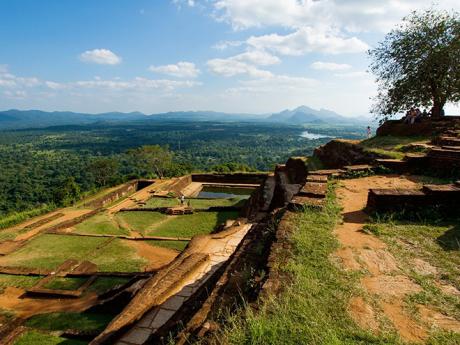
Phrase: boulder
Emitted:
{"points": [[341, 152]]}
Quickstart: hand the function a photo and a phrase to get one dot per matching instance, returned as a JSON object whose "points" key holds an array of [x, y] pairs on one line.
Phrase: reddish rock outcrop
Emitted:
{"points": [[340, 152]]}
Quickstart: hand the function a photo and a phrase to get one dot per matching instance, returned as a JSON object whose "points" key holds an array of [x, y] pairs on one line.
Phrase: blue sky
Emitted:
{"points": [[257, 56]]}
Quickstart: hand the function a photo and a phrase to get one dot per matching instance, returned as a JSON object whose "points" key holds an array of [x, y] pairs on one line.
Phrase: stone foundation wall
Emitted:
{"points": [[427, 127], [242, 178], [116, 194]]}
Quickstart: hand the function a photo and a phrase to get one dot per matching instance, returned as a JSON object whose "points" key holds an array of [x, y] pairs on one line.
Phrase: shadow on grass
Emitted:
{"points": [[450, 240]]}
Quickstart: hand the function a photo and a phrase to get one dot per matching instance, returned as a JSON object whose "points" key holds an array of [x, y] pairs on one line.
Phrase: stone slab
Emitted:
{"points": [[314, 189], [317, 178], [329, 172], [441, 188], [137, 336]]}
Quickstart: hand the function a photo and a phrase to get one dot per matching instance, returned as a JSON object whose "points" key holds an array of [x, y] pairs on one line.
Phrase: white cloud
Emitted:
{"points": [[329, 66], [18, 94], [8, 80], [275, 84], [180, 70], [100, 56], [222, 45], [353, 15], [230, 67], [54, 86], [244, 63], [306, 40]]}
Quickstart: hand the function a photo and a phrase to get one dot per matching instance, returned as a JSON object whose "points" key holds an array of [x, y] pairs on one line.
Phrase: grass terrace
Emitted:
{"points": [[197, 203], [64, 283], [159, 224], [393, 147], [49, 251], [190, 225], [101, 224]]}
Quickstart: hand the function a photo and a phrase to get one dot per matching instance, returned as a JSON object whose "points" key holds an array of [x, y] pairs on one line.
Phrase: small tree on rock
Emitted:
{"points": [[418, 64]]}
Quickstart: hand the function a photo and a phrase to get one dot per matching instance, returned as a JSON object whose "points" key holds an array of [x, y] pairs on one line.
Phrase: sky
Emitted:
{"points": [[240, 56]]}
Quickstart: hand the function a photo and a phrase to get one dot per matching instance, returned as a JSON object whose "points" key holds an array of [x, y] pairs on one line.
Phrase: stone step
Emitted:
{"points": [[356, 168], [449, 141], [300, 202], [395, 199], [397, 165], [445, 154], [329, 172], [452, 133], [455, 148], [317, 178], [441, 189], [314, 190]]}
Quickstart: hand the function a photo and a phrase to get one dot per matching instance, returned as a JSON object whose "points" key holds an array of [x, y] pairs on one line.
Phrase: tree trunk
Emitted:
{"points": [[437, 108]]}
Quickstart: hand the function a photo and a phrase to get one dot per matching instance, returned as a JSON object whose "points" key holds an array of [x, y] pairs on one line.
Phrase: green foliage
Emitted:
{"points": [[17, 217], [34, 164], [155, 160], [232, 167], [34, 338], [65, 321], [418, 63]]}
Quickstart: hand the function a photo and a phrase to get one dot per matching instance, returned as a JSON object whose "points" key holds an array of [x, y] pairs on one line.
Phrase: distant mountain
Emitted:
{"points": [[205, 116], [21, 119], [307, 115]]}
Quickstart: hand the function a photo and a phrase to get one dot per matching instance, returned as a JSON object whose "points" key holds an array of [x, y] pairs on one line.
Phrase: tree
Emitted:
{"points": [[103, 169], [418, 64], [153, 158], [67, 192]]}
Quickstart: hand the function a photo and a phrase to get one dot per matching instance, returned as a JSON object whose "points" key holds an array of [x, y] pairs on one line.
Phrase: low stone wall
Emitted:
{"points": [[426, 127], [112, 196], [181, 183], [445, 198], [240, 178]]}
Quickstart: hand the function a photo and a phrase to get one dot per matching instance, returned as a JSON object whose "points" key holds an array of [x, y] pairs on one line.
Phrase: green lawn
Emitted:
{"points": [[141, 221], [162, 202], [104, 284], [193, 224], [100, 224], [176, 245], [64, 321], [37, 338], [206, 203], [48, 251], [64, 283], [390, 142], [23, 282], [118, 256]]}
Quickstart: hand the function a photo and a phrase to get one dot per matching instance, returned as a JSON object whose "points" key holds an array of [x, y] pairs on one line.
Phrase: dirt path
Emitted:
{"points": [[12, 299], [383, 280], [157, 257]]}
